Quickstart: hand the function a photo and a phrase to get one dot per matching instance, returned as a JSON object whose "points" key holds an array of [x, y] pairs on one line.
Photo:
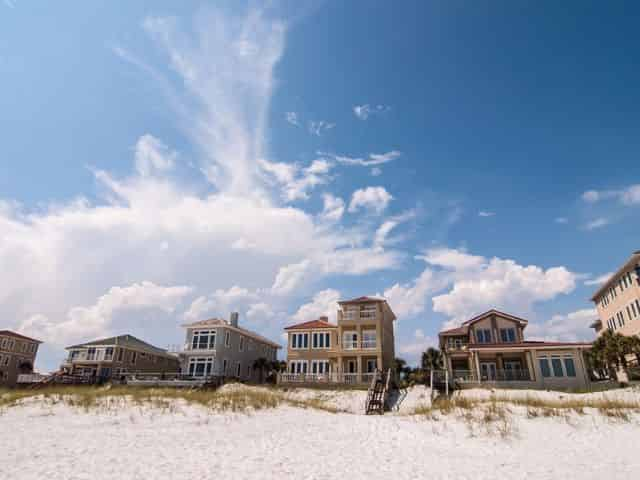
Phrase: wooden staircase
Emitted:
{"points": [[377, 394]]}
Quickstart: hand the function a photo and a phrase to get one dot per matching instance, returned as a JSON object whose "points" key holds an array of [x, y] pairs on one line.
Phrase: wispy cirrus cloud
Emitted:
{"points": [[319, 127], [371, 160], [363, 112], [628, 196]]}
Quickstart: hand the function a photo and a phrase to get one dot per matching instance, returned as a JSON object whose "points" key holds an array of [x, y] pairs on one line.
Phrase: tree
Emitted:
{"points": [[400, 365], [610, 351], [431, 359], [261, 364]]}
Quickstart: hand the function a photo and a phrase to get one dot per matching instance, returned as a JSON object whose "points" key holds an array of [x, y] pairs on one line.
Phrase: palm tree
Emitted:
{"points": [[611, 350], [431, 359], [400, 365], [261, 364]]}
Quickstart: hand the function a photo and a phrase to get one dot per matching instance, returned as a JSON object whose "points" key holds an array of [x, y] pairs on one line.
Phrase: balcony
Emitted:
{"points": [[355, 316], [362, 345], [457, 347]]}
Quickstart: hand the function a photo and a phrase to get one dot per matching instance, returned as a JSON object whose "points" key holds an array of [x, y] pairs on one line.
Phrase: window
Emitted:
{"points": [[248, 371], [3, 342], [350, 340], [120, 354], [108, 353], [483, 335], [91, 354], [369, 339], [633, 308], [224, 366], [319, 367], [508, 335], [368, 311], [544, 367], [238, 366], [134, 357], [4, 361], [321, 339], [298, 341], [570, 367], [620, 317], [200, 366], [73, 355], [556, 363], [227, 339], [252, 345], [241, 347], [298, 366], [629, 313], [203, 340]]}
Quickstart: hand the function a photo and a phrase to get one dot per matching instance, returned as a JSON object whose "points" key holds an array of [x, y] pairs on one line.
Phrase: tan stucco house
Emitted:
{"points": [[618, 300], [491, 350], [17, 356], [350, 351]]}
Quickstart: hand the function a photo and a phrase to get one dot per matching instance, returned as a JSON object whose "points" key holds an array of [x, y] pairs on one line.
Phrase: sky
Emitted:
{"points": [[167, 162]]}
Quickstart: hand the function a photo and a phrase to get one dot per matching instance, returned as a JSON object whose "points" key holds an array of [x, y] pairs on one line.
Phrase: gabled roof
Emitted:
{"points": [[128, 341], [633, 260], [455, 331], [9, 333], [362, 300], [218, 322], [319, 323], [493, 311]]}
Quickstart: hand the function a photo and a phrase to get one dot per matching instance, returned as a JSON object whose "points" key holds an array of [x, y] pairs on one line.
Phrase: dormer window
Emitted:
{"points": [[508, 335], [483, 335]]}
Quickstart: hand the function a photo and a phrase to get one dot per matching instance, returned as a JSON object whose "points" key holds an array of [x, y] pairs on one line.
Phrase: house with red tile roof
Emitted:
{"points": [[490, 350], [350, 351]]}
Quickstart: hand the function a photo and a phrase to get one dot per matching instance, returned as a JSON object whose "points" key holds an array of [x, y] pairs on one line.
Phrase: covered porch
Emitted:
{"points": [[497, 367]]}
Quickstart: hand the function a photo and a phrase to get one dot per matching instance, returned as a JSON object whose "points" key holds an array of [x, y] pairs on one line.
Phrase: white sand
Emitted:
{"points": [[60, 442]]}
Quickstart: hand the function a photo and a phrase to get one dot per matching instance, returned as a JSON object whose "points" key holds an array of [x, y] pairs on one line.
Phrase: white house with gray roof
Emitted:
{"points": [[217, 347]]}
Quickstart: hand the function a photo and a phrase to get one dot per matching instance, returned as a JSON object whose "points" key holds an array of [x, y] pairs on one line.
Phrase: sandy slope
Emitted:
{"points": [[289, 443]]}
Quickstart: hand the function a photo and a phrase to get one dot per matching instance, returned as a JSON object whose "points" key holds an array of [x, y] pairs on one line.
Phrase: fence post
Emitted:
{"points": [[446, 382]]}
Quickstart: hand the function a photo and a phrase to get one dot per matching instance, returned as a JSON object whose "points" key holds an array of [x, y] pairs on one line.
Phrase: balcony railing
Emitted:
{"points": [[518, 375], [363, 345], [457, 347], [353, 316], [341, 378]]}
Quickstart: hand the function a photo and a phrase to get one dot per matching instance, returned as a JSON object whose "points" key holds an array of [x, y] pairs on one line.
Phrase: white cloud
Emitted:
{"points": [[376, 171], [484, 213], [371, 160], [374, 199], [324, 303], [319, 127], [333, 208], [597, 223], [561, 220], [220, 303], [290, 277], [472, 284], [628, 196], [82, 323], [413, 348], [292, 118], [151, 155], [297, 182], [571, 327], [598, 280], [363, 112], [381, 237]]}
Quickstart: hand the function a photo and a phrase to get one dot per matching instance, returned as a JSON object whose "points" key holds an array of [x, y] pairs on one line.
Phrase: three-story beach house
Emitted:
{"points": [[351, 351], [17, 356]]}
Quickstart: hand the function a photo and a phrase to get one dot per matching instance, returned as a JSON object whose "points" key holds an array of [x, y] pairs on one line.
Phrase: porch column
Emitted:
{"points": [[532, 373], [359, 367], [477, 357], [499, 361], [379, 362]]}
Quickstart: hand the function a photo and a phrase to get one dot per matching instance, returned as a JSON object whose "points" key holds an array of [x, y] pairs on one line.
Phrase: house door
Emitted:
{"points": [[488, 371]]}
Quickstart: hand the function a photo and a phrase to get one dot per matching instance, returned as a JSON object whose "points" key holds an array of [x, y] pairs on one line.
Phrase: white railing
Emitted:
{"points": [[31, 377], [343, 378], [355, 345], [359, 316]]}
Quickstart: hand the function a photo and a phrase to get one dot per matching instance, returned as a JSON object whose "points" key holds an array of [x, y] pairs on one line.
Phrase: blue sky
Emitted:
{"points": [[165, 162]]}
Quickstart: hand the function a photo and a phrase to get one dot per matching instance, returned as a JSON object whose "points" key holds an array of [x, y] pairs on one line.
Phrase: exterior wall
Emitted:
{"points": [[145, 362], [310, 353], [251, 351], [17, 351], [624, 298], [388, 340], [579, 382]]}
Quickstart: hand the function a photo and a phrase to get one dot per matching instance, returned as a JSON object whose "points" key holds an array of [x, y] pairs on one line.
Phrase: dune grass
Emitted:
{"points": [[113, 398]]}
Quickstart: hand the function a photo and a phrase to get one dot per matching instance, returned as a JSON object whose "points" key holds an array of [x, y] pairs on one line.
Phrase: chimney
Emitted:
{"points": [[324, 318], [233, 319]]}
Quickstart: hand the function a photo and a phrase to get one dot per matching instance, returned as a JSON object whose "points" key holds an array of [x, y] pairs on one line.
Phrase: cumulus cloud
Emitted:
{"points": [[412, 348], [151, 155], [324, 303], [374, 199], [297, 182], [363, 112], [220, 302], [571, 327], [82, 323], [333, 208]]}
